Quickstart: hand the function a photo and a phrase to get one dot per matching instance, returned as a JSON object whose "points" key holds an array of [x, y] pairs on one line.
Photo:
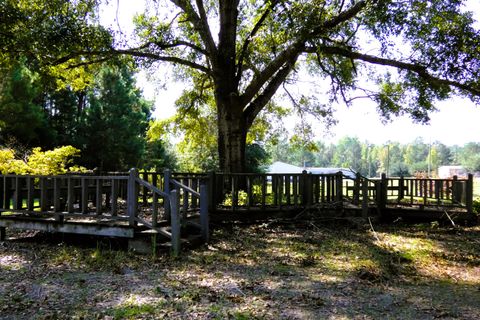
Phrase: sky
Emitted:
{"points": [[456, 122]]}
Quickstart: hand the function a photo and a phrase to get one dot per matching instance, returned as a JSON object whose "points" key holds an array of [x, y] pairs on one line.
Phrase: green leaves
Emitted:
{"points": [[54, 35], [38, 162]]}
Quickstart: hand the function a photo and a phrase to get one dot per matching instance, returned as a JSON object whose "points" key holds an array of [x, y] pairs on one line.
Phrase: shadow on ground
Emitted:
{"points": [[309, 269]]}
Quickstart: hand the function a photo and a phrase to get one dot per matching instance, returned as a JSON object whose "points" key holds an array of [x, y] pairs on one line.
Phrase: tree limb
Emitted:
{"points": [[254, 108], [179, 43], [200, 23], [133, 53], [293, 50], [252, 34], [259, 80], [157, 57], [340, 18], [205, 29], [420, 70]]}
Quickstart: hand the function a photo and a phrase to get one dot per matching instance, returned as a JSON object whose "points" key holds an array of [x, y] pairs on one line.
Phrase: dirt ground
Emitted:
{"points": [[310, 269]]}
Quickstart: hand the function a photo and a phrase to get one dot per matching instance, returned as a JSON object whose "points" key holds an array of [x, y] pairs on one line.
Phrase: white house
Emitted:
{"points": [[282, 167], [450, 171]]}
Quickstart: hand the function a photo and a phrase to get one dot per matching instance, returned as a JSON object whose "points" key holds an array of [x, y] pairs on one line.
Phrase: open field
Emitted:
{"points": [[304, 270]]}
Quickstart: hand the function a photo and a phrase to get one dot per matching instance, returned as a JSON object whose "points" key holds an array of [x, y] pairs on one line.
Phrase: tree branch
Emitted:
{"points": [[252, 34], [259, 80], [293, 50], [226, 68], [179, 43], [420, 70], [199, 22], [342, 17], [254, 108], [134, 53], [86, 63], [163, 58]]}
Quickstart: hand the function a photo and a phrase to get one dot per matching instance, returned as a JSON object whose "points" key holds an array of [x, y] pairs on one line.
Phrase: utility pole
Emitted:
{"points": [[388, 160]]}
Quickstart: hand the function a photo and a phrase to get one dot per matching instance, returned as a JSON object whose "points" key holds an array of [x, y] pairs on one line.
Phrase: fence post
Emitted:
{"points": [[56, 194], [339, 190], [167, 174], [2, 192], [364, 198], [204, 212], [17, 195], [455, 188], [211, 191], [175, 222], [356, 189], [401, 190], [30, 194], [469, 196], [305, 188], [132, 197], [43, 194], [382, 197]]}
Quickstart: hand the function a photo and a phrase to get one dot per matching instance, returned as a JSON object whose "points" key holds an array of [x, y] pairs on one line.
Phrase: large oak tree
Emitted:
{"points": [[241, 52]]}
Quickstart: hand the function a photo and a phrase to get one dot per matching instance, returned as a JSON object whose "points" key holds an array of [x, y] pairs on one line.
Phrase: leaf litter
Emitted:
{"points": [[296, 270]]}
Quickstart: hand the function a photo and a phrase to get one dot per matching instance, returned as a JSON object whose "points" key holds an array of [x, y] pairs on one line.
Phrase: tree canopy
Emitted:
{"points": [[239, 54]]}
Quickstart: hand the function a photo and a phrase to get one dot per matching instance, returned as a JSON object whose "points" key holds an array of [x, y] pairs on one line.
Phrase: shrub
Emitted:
{"points": [[38, 162], [476, 206]]}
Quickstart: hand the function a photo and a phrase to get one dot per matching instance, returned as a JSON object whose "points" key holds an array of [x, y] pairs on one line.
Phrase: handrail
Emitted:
{"points": [[182, 186], [151, 187]]}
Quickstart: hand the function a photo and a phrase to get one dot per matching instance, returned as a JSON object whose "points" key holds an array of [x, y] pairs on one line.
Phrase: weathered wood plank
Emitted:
{"points": [[68, 227], [204, 216], [43, 194], [98, 197], [84, 199], [175, 222], [70, 195], [114, 198], [132, 197], [56, 194], [30, 193]]}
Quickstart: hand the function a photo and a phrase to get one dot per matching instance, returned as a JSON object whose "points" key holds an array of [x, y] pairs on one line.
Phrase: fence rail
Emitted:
{"points": [[115, 197], [155, 200]]}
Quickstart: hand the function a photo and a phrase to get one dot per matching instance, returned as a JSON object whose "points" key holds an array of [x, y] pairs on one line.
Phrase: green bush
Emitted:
{"points": [[242, 199], [38, 162], [476, 206]]}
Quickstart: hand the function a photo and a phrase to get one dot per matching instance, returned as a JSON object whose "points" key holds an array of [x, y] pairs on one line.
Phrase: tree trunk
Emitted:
{"points": [[232, 135]]}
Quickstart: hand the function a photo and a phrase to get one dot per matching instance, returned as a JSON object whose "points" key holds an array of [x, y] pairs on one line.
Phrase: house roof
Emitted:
{"points": [[282, 167], [345, 171]]}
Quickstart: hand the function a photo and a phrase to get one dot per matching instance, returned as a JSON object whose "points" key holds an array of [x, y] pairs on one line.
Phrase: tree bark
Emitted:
{"points": [[232, 135]]}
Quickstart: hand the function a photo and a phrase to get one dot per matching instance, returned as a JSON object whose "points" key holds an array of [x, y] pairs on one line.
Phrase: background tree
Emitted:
{"points": [[416, 155], [158, 156], [470, 156], [348, 154], [22, 118], [260, 45], [115, 122]]}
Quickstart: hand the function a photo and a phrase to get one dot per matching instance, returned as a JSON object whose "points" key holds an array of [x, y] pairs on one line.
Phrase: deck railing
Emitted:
{"points": [[232, 192], [69, 194], [116, 197], [427, 192]]}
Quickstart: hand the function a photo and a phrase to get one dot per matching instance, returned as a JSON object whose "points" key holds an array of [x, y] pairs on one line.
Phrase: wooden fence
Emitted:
{"points": [[120, 203], [232, 192], [151, 199]]}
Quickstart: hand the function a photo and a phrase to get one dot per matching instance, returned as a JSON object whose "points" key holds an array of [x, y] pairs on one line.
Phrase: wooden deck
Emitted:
{"points": [[129, 204], [112, 205]]}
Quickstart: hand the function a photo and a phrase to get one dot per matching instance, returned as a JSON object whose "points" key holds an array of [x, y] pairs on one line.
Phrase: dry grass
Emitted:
{"points": [[306, 270]]}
